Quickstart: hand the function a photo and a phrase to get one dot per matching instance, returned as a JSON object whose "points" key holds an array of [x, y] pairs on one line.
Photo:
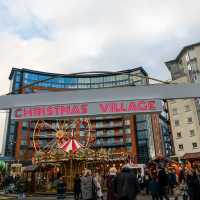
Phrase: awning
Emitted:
{"points": [[30, 168], [188, 156], [6, 158]]}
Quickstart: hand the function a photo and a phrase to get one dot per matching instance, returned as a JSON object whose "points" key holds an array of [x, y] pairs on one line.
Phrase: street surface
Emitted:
{"points": [[140, 197]]}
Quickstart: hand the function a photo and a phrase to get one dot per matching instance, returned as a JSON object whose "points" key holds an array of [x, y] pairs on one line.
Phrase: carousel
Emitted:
{"points": [[65, 148]]}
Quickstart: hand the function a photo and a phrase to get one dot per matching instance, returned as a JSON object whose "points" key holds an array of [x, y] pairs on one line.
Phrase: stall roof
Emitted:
{"points": [[6, 158], [30, 168], [191, 155]]}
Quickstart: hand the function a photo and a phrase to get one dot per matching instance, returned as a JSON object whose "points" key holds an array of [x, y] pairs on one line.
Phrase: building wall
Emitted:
{"points": [[157, 134], [127, 133], [187, 64], [184, 132], [186, 68], [167, 137]]}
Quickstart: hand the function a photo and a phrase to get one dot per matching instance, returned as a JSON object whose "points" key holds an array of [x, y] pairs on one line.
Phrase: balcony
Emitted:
{"points": [[106, 118], [109, 126], [109, 145], [43, 137], [109, 135]]}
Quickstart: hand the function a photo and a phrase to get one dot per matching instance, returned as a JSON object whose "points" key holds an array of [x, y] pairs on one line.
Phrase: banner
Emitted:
{"points": [[87, 109]]}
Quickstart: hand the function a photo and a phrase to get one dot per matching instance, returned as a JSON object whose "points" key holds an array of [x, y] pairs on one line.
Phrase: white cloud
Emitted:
{"points": [[68, 36]]}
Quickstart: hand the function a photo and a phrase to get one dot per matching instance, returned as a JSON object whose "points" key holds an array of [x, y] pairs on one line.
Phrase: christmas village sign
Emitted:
{"points": [[87, 109], [93, 102]]}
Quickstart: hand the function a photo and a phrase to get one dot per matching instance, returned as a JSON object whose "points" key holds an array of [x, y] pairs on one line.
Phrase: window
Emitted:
{"points": [[128, 140], [192, 133], [23, 142], [194, 65], [99, 132], [110, 132], [187, 108], [140, 117], [122, 77], [12, 129], [191, 53], [174, 111], [109, 78], [177, 123], [82, 133], [180, 147], [187, 58], [194, 145], [83, 81], [141, 125], [121, 140], [178, 135], [128, 130], [189, 120], [99, 124], [127, 122], [108, 84], [96, 80], [98, 142]]}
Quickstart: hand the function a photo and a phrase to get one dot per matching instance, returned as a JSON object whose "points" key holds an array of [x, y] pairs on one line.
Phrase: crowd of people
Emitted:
{"points": [[15, 184], [159, 182], [120, 185]]}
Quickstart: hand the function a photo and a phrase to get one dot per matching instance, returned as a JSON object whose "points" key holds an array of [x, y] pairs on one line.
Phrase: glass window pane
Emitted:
{"points": [[96, 80]]}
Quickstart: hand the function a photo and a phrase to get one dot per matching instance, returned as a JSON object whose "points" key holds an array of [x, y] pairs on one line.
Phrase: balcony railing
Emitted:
{"points": [[108, 126], [109, 135], [105, 144]]}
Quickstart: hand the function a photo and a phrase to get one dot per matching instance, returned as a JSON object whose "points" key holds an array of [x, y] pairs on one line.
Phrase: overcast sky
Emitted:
{"points": [[83, 35]]}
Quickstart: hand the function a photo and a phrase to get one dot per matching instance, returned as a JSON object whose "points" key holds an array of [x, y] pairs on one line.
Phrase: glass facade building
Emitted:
{"points": [[113, 133]]}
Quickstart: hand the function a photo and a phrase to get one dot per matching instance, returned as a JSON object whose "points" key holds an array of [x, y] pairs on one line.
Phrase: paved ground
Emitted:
{"points": [[69, 197], [140, 197]]}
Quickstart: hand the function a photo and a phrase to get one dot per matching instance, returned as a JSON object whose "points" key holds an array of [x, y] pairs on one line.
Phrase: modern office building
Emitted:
{"points": [[144, 136], [185, 114]]}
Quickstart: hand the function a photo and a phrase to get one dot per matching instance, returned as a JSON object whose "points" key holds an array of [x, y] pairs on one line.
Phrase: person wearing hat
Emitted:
{"points": [[125, 184]]}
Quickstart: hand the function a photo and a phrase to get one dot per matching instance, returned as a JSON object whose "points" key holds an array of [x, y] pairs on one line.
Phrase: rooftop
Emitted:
{"points": [[80, 74], [181, 52]]}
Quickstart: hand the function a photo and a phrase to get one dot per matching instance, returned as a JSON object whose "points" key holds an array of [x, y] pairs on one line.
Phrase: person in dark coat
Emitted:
{"points": [[140, 179], [147, 180], [193, 183], [197, 184], [110, 181], [77, 187], [126, 186], [154, 188], [61, 189], [21, 188], [172, 181], [190, 183], [6, 183], [163, 180]]}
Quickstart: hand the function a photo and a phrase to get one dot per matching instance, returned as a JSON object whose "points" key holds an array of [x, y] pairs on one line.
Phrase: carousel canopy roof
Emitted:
{"points": [[71, 145]]}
